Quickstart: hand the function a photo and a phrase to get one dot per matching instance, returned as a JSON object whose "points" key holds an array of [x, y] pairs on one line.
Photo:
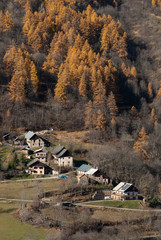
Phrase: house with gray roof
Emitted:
{"points": [[62, 157], [38, 168], [83, 168], [33, 140], [41, 154], [124, 191], [90, 174]]}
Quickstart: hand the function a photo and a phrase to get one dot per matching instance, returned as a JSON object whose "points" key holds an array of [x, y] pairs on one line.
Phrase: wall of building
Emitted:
{"points": [[65, 161]]}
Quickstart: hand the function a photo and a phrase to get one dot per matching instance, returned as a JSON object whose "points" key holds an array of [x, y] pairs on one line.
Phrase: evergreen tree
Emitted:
{"points": [[112, 105]]}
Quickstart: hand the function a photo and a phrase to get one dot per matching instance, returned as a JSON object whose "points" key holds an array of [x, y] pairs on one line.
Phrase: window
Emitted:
{"points": [[41, 167], [40, 171], [35, 167]]}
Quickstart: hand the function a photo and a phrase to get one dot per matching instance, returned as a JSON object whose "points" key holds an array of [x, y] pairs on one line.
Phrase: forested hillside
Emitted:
{"points": [[95, 65]]}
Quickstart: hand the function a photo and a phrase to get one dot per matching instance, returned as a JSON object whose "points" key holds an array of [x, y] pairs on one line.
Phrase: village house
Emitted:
{"points": [[39, 168], [96, 175], [27, 152], [124, 191], [62, 156], [35, 141], [87, 174], [41, 155], [83, 168]]}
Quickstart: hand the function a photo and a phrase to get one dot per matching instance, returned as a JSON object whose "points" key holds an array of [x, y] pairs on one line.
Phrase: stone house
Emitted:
{"points": [[35, 141], [38, 168], [41, 155], [62, 157]]}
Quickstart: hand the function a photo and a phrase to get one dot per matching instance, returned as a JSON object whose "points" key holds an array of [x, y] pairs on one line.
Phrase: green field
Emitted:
{"points": [[12, 229], [120, 204]]}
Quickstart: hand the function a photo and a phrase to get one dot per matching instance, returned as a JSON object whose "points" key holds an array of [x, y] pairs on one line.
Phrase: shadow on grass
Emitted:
{"points": [[10, 210]]}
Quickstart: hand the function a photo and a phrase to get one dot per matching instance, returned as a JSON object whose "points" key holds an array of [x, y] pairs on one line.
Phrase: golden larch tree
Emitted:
{"points": [[150, 91], [100, 121], [112, 105], [133, 72], [34, 77]]}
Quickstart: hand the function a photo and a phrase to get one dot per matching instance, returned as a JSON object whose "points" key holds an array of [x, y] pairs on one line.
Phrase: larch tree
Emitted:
{"points": [[133, 72], [150, 91], [34, 77], [8, 23], [111, 103], [90, 116], [100, 121], [141, 143]]}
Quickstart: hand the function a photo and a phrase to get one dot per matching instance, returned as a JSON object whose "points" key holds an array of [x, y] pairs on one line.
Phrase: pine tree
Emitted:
{"points": [[101, 121], [83, 83], [8, 23], [133, 72], [62, 83], [134, 112], [99, 95], [1, 21], [112, 105], [159, 91], [90, 117], [153, 115], [150, 91], [141, 143], [125, 70], [34, 78]]}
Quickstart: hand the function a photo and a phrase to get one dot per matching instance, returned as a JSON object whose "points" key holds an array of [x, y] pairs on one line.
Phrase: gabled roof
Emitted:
{"points": [[118, 186], [122, 186], [29, 135], [32, 162], [57, 149], [62, 153], [84, 167], [91, 171], [41, 149], [37, 160]]}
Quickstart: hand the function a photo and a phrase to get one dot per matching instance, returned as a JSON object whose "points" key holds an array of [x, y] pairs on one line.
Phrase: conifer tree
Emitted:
{"points": [[112, 105], [133, 72], [90, 116], [100, 121], [141, 143], [150, 91], [8, 23], [125, 70], [153, 115], [34, 78]]}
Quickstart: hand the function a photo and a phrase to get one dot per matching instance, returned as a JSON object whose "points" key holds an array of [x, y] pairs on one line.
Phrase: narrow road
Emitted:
{"points": [[32, 179], [86, 204]]}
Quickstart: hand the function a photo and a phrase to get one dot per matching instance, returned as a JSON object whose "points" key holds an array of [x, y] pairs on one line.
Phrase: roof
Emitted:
{"points": [[84, 167], [41, 149], [37, 160], [122, 186], [29, 135], [61, 153], [32, 162], [91, 171], [118, 186], [57, 149]]}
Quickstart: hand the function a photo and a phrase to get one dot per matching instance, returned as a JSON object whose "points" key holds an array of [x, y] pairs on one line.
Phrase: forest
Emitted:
{"points": [[87, 65]]}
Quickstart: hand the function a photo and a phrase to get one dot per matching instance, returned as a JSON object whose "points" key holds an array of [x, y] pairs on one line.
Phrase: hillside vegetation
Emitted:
{"points": [[90, 66]]}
